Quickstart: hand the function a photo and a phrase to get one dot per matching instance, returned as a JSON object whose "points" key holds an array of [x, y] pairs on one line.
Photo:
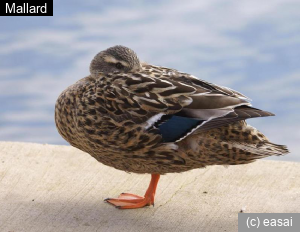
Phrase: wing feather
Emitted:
{"points": [[161, 91]]}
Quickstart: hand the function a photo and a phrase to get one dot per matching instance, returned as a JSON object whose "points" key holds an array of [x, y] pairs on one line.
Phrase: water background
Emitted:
{"points": [[251, 46]]}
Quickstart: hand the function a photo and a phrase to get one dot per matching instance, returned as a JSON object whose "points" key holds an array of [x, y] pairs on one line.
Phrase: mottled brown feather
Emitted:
{"points": [[112, 116]]}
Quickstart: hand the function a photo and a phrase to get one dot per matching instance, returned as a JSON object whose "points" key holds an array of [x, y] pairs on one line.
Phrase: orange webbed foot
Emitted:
{"points": [[132, 201]]}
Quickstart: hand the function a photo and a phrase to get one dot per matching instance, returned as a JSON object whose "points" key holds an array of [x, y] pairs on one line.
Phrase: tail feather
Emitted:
{"points": [[262, 149], [233, 144]]}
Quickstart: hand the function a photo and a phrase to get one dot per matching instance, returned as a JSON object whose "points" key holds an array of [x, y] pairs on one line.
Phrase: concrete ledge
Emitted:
{"points": [[59, 188]]}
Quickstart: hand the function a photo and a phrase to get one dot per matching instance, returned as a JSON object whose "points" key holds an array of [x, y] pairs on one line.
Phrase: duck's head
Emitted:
{"points": [[117, 58]]}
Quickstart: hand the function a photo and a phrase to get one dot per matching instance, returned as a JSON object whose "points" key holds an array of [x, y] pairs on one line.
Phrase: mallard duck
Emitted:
{"points": [[143, 118]]}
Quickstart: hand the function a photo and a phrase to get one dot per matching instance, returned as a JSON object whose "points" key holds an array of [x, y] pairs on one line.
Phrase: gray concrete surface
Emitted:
{"points": [[59, 188]]}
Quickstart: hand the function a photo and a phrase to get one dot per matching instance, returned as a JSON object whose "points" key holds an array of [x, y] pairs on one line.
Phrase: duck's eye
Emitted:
{"points": [[119, 65]]}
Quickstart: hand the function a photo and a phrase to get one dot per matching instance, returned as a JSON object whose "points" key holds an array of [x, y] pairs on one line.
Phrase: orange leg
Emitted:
{"points": [[132, 201]]}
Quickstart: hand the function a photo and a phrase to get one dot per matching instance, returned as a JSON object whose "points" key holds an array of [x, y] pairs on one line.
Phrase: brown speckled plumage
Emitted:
{"points": [[115, 114], [106, 116]]}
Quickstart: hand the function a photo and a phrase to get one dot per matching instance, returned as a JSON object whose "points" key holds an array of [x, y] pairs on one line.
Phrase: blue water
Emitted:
{"points": [[249, 46]]}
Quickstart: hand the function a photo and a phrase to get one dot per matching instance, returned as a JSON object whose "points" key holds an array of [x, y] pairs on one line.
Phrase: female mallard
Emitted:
{"points": [[142, 118]]}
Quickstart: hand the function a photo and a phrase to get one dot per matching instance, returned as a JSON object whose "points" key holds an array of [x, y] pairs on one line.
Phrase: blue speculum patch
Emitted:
{"points": [[176, 127]]}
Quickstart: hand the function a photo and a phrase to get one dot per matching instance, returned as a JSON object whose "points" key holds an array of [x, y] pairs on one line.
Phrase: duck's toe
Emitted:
{"points": [[130, 201]]}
